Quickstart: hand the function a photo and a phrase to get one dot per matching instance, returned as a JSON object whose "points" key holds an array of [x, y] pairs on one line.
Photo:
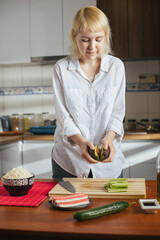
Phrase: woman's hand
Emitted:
{"points": [[83, 144], [107, 142], [84, 151]]}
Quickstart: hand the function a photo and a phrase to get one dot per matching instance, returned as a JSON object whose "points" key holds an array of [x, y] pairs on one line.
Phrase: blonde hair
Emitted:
{"points": [[93, 19]]}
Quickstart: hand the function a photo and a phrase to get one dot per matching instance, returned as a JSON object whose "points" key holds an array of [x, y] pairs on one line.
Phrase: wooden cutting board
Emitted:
{"points": [[94, 187]]}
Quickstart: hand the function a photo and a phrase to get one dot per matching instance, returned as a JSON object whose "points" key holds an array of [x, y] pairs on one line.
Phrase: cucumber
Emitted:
{"points": [[101, 211]]}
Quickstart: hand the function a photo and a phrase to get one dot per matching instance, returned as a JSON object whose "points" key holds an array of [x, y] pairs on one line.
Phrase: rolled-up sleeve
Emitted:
{"points": [[65, 121]]}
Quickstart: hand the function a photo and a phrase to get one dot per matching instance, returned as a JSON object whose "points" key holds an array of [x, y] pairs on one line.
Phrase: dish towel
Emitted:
{"points": [[35, 196]]}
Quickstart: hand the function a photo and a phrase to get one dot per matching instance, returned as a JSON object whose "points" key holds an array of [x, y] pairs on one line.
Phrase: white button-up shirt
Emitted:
{"points": [[89, 109]]}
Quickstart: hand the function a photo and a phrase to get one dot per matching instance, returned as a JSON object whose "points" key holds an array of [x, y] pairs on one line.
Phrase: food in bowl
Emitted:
{"points": [[18, 181], [17, 172]]}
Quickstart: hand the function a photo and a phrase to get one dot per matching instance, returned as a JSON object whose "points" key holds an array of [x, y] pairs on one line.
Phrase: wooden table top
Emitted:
{"points": [[44, 222]]}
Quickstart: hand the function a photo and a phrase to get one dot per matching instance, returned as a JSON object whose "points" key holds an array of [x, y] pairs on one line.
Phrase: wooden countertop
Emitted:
{"points": [[141, 136], [9, 139], [44, 222], [127, 136]]}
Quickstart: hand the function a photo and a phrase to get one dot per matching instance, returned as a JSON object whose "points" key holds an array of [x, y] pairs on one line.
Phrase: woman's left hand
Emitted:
{"points": [[107, 142]]}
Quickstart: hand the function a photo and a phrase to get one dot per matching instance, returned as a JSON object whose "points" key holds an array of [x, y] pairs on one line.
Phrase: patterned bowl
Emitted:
{"points": [[18, 187]]}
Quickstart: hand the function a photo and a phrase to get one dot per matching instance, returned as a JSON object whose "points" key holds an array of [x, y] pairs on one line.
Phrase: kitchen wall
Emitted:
{"points": [[142, 104], [28, 88], [23, 89]]}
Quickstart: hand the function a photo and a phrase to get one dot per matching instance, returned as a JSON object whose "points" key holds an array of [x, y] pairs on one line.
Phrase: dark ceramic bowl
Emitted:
{"points": [[18, 187]]}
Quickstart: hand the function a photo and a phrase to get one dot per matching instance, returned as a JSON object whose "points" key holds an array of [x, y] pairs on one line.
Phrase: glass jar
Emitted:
{"points": [[28, 120], [15, 122], [156, 124], [45, 118], [131, 124], [145, 122]]}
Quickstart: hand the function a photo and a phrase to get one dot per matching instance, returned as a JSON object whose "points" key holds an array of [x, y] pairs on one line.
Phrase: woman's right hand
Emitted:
{"points": [[84, 151], [83, 144]]}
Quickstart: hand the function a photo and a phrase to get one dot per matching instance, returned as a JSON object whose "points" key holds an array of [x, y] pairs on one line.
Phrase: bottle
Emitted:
{"points": [[158, 177]]}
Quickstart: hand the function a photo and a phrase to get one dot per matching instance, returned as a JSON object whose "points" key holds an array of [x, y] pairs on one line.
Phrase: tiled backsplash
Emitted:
{"points": [[142, 104], [29, 89]]}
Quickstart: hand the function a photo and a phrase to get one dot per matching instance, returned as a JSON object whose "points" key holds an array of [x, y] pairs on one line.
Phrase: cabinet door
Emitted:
{"points": [[141, 157], [70, 7], [14, 31], [37, 158], [46, 27], [135, 27], [145, 170], [144, 28], [116, 11], [11, 157]]}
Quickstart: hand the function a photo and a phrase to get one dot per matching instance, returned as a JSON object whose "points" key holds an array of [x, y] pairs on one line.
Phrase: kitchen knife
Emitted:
{"points": [[67, 185]]}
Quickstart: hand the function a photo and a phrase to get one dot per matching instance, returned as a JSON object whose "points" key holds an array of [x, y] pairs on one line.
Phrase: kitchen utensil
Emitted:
{"points": [[147, 128], [94, 188], [67, 185], [6, 123], [43, 129]]}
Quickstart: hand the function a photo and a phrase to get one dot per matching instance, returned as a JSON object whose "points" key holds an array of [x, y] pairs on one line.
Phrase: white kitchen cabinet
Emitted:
{"points": [[50, 25], [36, 28], [37, 158], [14, 31], [141, 158], [46, 28], [70, 7], [10, 156]]}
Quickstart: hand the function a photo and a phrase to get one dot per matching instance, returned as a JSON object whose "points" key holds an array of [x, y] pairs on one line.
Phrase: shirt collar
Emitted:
{"points": [[105, 63], [73, 64]]}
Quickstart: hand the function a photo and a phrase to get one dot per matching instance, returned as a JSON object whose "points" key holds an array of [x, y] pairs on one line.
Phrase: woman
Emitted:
{"points": [[89, 91]]}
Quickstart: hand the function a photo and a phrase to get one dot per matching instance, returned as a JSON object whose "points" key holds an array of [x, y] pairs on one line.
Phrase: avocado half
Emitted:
{"points": [[99, 154]]}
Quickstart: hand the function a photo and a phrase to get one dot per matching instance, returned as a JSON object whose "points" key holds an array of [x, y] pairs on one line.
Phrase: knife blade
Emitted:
{"points": [[67, 185]]}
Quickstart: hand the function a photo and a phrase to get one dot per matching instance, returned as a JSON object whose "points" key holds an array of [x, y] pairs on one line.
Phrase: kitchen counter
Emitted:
{"points": [[127, 136], [9, 139], [141, 136], [44, 222]]}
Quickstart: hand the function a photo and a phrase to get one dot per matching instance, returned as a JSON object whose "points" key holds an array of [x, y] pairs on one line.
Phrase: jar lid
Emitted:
{"points": [[131, 120], [144, 120]]}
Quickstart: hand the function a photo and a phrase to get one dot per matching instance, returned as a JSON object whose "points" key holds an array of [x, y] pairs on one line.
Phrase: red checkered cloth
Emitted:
{"points": [[35, 196]]}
